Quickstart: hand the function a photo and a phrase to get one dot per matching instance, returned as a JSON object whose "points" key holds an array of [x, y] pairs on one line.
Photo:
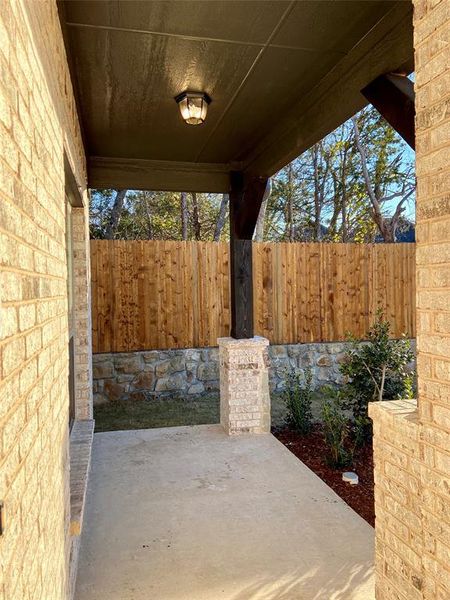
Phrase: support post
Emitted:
{"points": [[393, 97], [246, 195], [243, 358]]}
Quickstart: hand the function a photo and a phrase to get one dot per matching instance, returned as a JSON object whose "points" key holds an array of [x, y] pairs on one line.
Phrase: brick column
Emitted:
{"points": [[244, 385], [412, 446], [82, 311]]}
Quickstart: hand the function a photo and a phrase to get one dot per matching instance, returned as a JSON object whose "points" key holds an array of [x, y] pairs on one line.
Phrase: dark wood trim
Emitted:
{"points": [[246, 195], [393, 97], [141, 174]]}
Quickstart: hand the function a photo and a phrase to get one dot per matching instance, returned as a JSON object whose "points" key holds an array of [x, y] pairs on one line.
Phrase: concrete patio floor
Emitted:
{"points": [[188, 513]]}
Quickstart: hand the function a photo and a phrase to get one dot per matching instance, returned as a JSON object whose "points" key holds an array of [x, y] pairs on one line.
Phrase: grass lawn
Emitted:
{"points": [[173, 412], [164, 412]]}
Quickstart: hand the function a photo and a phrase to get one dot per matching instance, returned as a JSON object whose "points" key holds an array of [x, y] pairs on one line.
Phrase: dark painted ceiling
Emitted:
{"points": [[265, 64]]}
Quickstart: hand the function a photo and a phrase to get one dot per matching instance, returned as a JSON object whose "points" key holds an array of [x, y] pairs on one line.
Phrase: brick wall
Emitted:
{"points": [[432, 56], [412, 447], [38, 123]]}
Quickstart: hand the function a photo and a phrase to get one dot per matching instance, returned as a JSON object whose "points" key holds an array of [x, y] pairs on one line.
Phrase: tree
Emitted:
{"points": [[352, 186], [184, 216], [384, 180], [195, 218], [259, 229], [323, 194], [99, 209], [221, 217], [157, 215], [321, 165], [116, 211]]}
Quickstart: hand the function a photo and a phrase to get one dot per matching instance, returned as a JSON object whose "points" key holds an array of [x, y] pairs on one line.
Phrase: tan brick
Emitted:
{"points": [[27, 316], [435, 344], [37, 119], [442, 322], [433, 390]]}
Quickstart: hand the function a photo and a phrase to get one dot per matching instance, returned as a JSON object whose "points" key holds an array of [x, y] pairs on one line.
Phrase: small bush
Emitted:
{"points": [[362, 431], [376, 370], [335, 429], [298, 399]]}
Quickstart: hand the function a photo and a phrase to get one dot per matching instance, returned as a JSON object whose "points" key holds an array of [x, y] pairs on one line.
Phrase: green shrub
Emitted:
{"points": [[376, 370], [362, 431], [297, 396], [336, 429]]}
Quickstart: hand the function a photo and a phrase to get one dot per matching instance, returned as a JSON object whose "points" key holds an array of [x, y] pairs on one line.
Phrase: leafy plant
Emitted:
{"points": [[336, 429], [297, 396], [362, 431], [376, 370]]}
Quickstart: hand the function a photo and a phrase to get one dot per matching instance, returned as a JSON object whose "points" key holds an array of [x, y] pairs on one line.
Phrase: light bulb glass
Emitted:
{"points": [[193, 107]]}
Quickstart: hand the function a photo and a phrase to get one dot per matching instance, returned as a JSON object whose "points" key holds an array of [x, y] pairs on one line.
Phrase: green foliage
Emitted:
{"points": [[148, 215], [297, 396], [362, 431], [322, 194], [336, 429], [377, 369]]}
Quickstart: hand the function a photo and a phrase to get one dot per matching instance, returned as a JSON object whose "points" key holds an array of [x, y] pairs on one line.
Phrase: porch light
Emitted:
{"points": [[193, 106]]}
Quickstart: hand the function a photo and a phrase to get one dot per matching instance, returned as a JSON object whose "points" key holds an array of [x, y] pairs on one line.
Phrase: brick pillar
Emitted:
{"points": [[412, 446], [432, 61], [244, 385], [82, 312]]}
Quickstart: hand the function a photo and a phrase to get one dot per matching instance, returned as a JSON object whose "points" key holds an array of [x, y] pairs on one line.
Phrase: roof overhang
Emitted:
{"points": [[281, 75]]}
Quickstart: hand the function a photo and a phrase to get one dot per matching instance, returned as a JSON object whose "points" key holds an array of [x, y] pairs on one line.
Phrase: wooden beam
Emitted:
{"points": [[246, 195], [393, 97], [157, 175]]}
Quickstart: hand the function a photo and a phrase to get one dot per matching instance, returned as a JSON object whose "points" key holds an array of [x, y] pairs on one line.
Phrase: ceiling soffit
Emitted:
{"points": [[266, 66]]}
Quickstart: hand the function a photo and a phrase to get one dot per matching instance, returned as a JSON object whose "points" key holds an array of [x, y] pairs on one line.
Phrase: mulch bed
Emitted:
{"points": [[311, 450]]}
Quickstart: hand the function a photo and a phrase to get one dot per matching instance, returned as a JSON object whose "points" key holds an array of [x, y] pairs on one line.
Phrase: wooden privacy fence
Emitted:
{"points": [[157, 294]]}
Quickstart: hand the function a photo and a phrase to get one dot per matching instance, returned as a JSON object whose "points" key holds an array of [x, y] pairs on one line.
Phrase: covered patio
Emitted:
{"points": [[189, 513], [277, 76], [193, 513], [88, 99]]}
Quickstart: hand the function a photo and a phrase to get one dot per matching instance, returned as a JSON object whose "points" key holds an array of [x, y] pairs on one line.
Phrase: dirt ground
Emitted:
{"points": [[312, 451]]}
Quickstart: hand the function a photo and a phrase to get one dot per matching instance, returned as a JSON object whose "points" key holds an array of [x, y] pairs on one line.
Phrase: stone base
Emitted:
{"points": [[244, 385], [188, 372]]}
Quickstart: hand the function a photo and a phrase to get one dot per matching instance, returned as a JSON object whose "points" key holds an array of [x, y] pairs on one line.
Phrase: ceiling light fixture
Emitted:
{"points": [[193, 106]]}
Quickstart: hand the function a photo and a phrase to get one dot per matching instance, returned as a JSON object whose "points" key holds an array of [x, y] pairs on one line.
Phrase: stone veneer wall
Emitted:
{"points": [[412, 446], [140, 375], [38, 124]]}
